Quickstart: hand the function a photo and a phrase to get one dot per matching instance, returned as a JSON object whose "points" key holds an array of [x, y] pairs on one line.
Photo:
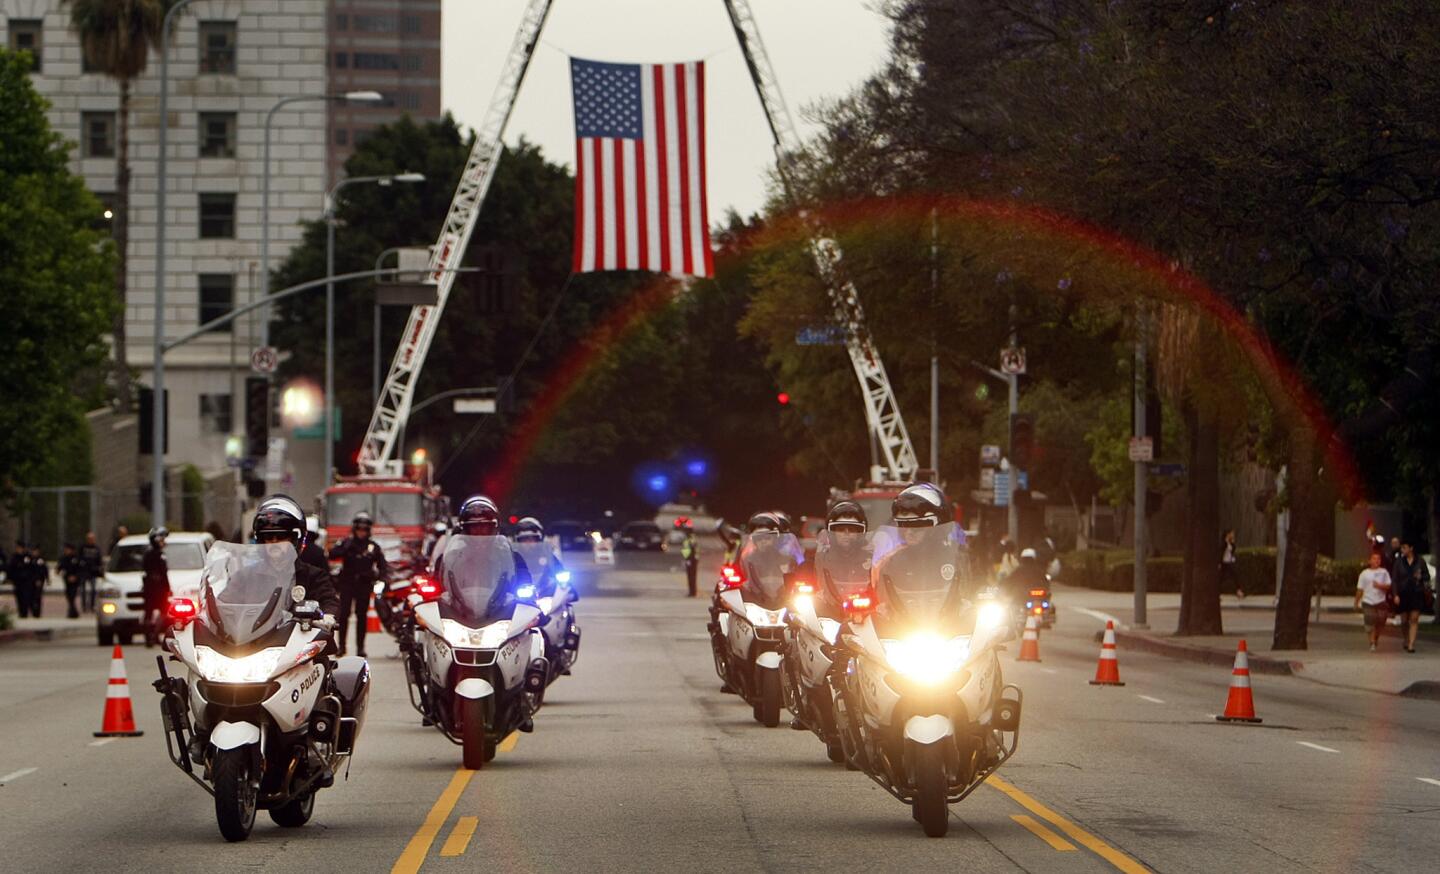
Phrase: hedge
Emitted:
{"points": [[1114, 571]]}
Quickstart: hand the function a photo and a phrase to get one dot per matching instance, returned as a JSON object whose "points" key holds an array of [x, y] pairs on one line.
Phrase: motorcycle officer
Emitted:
{"points": [[847, 556], [362, 563], [479, 517], [529, 530], [156, 584], [918, 512], [279, 518], [1029, 573], [313, 553]]}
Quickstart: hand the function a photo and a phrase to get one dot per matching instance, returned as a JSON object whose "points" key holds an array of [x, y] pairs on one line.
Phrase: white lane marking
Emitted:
{"points": [[16, 775], [1049, 671], [1306, 743], [1103, 617], [1151, 699], [1431, 780], [101, 742]]}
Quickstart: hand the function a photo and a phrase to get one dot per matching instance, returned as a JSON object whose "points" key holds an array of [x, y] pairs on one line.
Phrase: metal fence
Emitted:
{"points": [[55, 515]]}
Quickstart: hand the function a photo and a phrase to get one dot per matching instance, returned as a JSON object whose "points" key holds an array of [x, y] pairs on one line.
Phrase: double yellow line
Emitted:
{"points": [[1119, 860]]}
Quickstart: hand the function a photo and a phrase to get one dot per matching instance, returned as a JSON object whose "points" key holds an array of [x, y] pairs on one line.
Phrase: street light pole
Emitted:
{"points": [[330, 202], [157, 375]]}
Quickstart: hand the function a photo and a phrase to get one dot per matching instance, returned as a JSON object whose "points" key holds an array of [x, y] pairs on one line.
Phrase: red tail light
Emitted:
{"points": [[1037, 593], [860, 603], [427, 588], [180, 610], [731, 576], [803, 588]]}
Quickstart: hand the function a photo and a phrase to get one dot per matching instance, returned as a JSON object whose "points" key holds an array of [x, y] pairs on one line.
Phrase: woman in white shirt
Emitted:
{"points": [[1372, 596]]}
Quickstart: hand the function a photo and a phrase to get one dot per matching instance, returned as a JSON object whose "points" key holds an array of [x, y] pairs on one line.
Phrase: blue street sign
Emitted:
{"points": [[1168, 469], [1002, 488], [823, 335]]}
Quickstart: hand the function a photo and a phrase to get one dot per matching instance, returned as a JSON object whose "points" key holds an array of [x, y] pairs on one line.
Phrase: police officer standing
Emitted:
{"points": [[155, 586], [93, 562], [690, 551], [362, 563], [72, 572], [19, 573]]}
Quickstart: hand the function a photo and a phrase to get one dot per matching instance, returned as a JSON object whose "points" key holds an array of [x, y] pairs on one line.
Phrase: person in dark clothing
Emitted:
{"points": [[72, 572], [362, 562], [155, 585], [690, 552], [93, 562], [1029, 574], [121, 532], [313, 553], [39, 577], [20, 574], [279, 518], [1410, 581]]}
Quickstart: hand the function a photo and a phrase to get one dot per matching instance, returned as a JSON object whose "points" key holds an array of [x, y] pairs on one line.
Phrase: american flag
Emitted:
{"points": [[640, 168]]}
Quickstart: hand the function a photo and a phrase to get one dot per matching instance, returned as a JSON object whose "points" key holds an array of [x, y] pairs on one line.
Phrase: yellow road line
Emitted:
{"points": [[462, 832], [509, 743], [1044, 833], [415, 851], [1116, 858]]}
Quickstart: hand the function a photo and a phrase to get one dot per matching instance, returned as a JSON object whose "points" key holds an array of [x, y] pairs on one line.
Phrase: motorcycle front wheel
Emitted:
{"points": [[234, 794], [295, 812], [472, 733], [767, 702], [931, 809]]}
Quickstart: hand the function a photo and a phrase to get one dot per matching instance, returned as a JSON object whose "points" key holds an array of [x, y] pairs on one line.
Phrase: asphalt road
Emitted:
{"points": [[638, 763]]}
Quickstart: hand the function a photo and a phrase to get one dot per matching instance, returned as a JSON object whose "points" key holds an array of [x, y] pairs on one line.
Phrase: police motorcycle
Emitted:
{"points": [[922, 707], [747, 628], [554, 595], [261, 712], [817, 611], [481, 647]]}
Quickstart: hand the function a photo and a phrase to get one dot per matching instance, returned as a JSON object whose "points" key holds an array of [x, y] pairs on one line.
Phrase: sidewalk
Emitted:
{"points": [[52, 623], [1338, 652]]}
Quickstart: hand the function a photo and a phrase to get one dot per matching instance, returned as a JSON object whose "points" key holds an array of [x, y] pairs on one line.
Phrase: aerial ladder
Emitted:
{"points": [[896, 459]]}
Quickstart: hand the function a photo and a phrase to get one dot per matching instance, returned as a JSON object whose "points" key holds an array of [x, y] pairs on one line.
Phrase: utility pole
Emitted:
{"points": [[1012, 512], [1142, 469], [934, 358]]}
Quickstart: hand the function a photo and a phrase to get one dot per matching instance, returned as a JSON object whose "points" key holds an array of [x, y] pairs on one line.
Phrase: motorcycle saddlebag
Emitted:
{"points": [[352, 682]]}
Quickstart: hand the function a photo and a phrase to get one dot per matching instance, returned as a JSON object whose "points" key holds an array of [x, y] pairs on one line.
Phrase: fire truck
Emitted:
{"points": [[404, 509]]}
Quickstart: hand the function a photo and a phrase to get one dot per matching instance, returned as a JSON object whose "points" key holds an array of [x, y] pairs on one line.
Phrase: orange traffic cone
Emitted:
{"points": [[1107, 673], [119, 720], [1030, 641], [372, 619], [1240, 705]]}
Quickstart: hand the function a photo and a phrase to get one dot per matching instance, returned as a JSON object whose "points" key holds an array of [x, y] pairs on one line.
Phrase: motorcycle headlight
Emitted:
{"points": [[220, 668], [492, 636], [562, 576], [991, 617], [760, 616], [927, 658], [545, 603]]}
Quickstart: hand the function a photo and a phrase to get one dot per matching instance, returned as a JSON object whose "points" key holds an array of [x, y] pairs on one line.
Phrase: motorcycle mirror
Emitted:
{"points": [[297, 594]]}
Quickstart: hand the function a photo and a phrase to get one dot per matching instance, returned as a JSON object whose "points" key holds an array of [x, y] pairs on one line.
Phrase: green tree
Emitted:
{"points": [[57, 272], [116, 37]]}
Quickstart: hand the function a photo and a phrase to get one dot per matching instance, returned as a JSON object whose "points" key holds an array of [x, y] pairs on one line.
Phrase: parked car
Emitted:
{"points": [[120, 603], [573, 536], [641, 535]]}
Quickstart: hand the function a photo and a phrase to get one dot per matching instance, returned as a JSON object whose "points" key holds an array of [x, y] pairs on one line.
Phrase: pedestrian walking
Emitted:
{"points": [[39, 578], [155, 585], [18, 571], [1372, 597], [690, 551], [1229, 563], [1410, 591], [72, 574], [93, 561]]}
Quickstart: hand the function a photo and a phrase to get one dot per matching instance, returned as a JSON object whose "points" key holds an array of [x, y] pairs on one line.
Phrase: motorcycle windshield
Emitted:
{"points": [[767, 558], [540, 559], [478, 573], [245, 589], [843, 564], [925, 573]]}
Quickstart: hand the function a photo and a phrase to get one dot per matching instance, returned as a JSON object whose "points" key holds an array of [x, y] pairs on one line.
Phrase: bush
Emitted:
{"points": [[7, 619], [1114, 571], [192, 504]]}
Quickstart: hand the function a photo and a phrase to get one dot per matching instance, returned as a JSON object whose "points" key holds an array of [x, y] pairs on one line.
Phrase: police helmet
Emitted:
{"points": [[279, 517], [479, 517], [922, 505]]}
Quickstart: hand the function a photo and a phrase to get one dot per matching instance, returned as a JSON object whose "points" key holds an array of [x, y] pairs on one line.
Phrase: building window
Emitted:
{"points": [[217, 134], [342, 22], [407, 100], [97, 134], [217, 297], [376, 61], [375, 23], [27, 35], [217, 216], [215, 414], [342, 60], [412, 63], [409, 24], [342, 136], [217, 47], [363, 135]]}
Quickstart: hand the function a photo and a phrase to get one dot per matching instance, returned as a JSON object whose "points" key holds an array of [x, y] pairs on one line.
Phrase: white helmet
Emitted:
{"points": [[1028, 553]]}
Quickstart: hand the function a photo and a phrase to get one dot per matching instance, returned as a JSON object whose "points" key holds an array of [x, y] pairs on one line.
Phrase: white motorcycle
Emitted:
{"points": [[482, 648], [922, 708], [264, 715], [747, 631], [815, 619], [555, 596]]}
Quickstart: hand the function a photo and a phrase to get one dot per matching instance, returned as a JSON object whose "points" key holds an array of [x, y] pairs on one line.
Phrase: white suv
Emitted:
{"points": [[121, 602]]}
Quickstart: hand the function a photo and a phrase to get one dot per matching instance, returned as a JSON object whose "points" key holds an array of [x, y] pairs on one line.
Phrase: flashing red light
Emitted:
{"points": [[514, 519], [859, 603], [427, 588], [181, 610], [1037, 593], [804, 589], [731, 577], [783, 397]]}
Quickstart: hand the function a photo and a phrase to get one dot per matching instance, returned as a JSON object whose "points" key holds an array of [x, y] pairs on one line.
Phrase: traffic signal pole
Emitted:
{"points": [[1012, 512], [1142, 479]]}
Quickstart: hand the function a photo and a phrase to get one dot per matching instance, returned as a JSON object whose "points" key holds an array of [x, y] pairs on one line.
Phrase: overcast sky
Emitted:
{"points": [[820, 48]]}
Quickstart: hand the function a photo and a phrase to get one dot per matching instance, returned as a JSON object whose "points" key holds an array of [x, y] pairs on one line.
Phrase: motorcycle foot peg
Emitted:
{"points": [[527, 725]]}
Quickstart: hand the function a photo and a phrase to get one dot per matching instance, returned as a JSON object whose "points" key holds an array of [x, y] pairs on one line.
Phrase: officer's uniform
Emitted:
{"points": [[362, 563], [690, 551], [156, 591]]}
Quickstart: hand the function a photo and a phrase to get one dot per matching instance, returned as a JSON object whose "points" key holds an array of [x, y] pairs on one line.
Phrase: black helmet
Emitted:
{"points": [[784, 519], [158, 533], [846, 516], [922, 505], [763, 522], [529, 530], [479, 517], [280, 516], [362, 518]]}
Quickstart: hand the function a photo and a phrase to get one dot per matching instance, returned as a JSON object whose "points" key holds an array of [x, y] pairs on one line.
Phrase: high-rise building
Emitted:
{"points": [[231, 62], [390, 46]]}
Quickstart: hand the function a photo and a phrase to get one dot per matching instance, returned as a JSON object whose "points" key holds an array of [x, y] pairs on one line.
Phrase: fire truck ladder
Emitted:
{"points": [[387, 422], [882, 412]]}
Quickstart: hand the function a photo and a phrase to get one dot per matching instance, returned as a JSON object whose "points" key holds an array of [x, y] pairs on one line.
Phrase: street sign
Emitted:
{"points": [[1168, 469], [474, 406], [1012, 360], [1142, 449], [316, 430], [275, 458], [407, 294], [265, 359], [823, 335], [1002, 488], [1022, 482], [990, 454]]}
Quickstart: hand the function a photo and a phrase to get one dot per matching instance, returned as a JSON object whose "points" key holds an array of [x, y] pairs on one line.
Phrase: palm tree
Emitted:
{"points": [[116, 37]]}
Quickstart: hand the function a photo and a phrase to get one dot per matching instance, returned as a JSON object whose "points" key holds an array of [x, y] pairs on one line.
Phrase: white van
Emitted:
{"points": [[120, 604]]}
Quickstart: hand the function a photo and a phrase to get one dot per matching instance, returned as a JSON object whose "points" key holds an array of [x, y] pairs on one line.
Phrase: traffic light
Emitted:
{"points": [[1022, 441], [257, 416], [783, 398]]}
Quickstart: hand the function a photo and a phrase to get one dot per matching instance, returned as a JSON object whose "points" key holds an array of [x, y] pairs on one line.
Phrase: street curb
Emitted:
{"points": [[1258, 664], [1427, 689], [12, 635]]}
